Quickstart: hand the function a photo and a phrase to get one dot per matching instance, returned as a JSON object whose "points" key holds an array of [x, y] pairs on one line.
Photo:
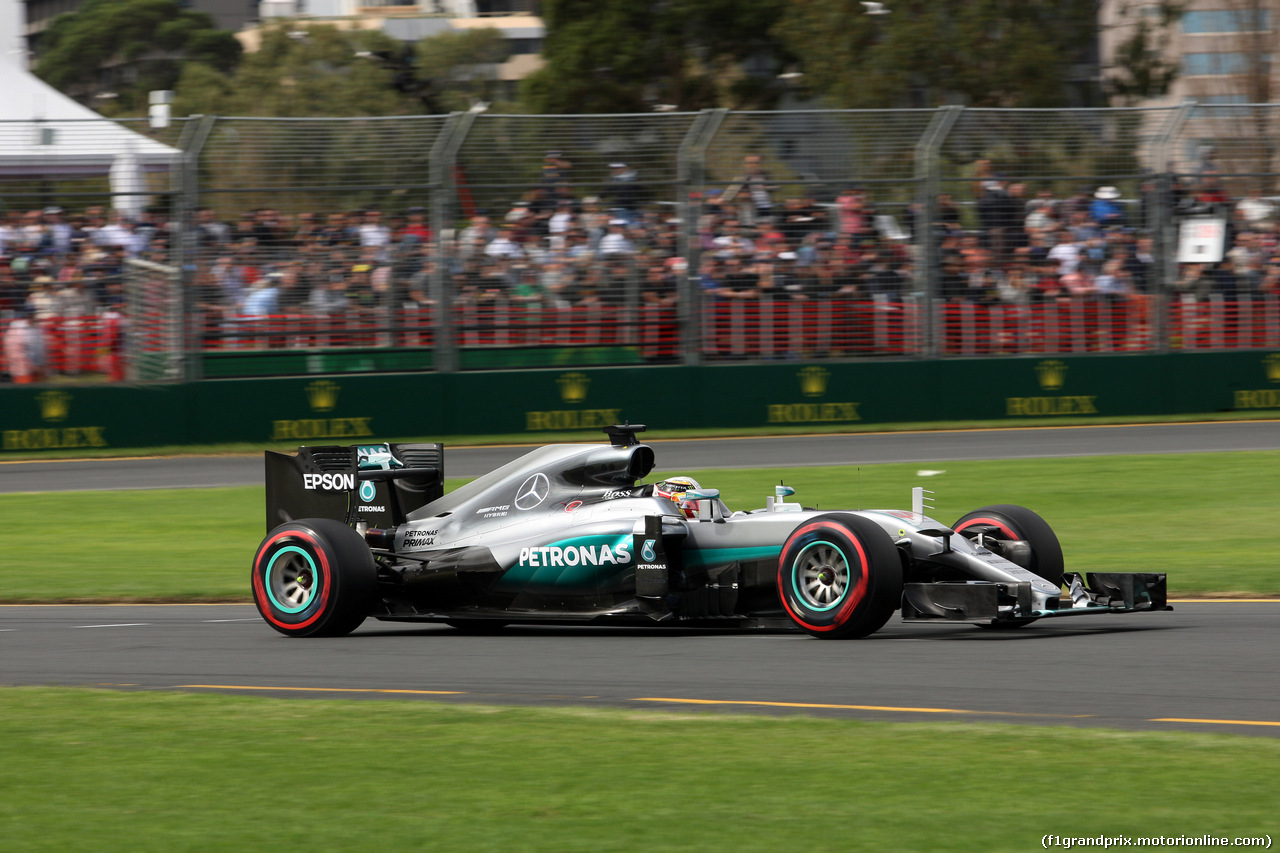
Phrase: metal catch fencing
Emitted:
{"points": [[482, 240]]}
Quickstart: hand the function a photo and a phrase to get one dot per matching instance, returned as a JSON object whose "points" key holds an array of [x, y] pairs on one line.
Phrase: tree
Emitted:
{"points": [[457, 69], [302, 71], [112, 53], [610, 56], [1141, 66], [923, 53]]}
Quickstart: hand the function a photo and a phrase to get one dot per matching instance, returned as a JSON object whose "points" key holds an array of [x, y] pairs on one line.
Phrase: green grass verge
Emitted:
{"points": [[1209, 519], [89, 770]]}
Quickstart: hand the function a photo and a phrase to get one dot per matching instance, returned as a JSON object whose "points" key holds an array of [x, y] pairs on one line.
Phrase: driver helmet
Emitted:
{"points": [[673, 488]]}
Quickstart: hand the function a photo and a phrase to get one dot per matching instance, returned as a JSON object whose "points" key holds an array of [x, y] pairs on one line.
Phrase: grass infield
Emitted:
{"points": [[89, 770], [1209, 519]]}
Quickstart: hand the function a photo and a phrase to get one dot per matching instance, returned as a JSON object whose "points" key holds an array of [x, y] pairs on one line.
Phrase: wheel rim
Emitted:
{"points": [[292, 580], [820, 576]]}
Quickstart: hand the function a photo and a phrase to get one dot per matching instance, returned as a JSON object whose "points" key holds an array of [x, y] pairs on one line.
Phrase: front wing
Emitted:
{"points": [[988, 603]]}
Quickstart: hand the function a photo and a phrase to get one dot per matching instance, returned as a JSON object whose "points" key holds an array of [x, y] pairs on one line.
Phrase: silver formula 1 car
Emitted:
{"points": [[567, 533]]}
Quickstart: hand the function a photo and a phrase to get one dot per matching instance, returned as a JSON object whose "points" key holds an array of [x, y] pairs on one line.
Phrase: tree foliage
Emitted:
{"points": [[610, 56], [321, 70], [458, 69], [127, 48], [301, 71], [1140, 67], [923, 53]]}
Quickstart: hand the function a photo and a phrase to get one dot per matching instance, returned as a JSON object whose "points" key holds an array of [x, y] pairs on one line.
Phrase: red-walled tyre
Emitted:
{"points": [[1006, 522], [839, 577], [314, 578]]}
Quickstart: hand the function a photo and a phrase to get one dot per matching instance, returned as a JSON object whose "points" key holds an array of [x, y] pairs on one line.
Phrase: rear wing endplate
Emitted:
{"points": [[328, 482]]}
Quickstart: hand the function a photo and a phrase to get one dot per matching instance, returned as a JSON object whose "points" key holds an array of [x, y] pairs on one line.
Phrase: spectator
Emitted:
{"points": [[1105, 209], [58, 231], [211, 235], [800, 218], [263, 296], [947, 215], [416, 226], [752, 191], [661, 284], [41, 300], [1114, 284], [373, 231], [1079, 284], [622, 192], [24, 350], [1246, 260], [1066, 253], [1193, 282], [329, 298], [555, 171], [616, 242], [1270, 283], [854, 214], [502, 246], [473, 239], [1139, 263], [560, 223], [73, 300]]}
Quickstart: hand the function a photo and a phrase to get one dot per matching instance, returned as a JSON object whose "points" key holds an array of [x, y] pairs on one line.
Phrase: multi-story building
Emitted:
{"points": [[1224, 55], [1223, 49]]}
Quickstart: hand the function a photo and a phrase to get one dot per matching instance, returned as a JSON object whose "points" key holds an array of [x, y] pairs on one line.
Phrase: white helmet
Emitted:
{"points": [[673, 488]]}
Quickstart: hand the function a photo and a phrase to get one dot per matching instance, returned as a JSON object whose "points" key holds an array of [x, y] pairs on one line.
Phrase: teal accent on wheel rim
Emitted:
{"points": [[292, 580], [820, 576]]}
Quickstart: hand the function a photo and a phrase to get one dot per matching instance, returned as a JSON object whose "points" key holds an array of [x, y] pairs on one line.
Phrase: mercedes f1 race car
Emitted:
{"points": [[568, 534]]}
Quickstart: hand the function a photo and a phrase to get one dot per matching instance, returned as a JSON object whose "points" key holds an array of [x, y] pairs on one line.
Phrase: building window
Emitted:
{"points": [[1226, 21], [1220, 64]]}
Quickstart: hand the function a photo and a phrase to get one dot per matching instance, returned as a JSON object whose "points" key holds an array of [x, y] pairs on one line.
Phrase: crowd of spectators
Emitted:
{"points": [[995, 243]]}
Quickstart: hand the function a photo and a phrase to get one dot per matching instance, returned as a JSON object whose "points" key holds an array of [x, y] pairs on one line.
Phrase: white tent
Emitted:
{"points": [[43, 133]]}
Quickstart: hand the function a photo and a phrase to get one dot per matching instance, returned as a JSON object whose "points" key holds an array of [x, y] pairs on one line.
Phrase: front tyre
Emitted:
{"points": [[1003, 525], [839, 577], [314, 578]]}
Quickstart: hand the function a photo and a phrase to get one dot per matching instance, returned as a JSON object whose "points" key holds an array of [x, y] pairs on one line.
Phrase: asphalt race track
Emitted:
{"points": [[1202, 667], [793, 451]]}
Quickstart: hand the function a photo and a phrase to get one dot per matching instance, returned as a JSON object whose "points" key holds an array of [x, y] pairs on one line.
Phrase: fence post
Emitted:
{"points": [[928, 180], [191, 144], [1164, 242], [691, 162], [444, 206]]}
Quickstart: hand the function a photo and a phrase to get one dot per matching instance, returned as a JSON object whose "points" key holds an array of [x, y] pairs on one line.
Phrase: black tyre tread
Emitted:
{"points": [[353, 577], [1046, 550], [884, 594]]}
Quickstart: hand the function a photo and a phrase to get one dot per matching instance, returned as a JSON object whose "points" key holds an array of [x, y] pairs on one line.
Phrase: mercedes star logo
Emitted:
{"points": [[533, 491]]}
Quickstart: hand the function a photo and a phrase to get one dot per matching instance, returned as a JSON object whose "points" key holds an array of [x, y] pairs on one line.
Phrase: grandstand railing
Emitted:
{"points": [[517, 335]]}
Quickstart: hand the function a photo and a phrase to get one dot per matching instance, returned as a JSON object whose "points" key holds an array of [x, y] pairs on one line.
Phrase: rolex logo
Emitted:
{"points": [[54, 405], [1272, 365], [813, 381], [1052, 374], [573, 387], [323, 395]]}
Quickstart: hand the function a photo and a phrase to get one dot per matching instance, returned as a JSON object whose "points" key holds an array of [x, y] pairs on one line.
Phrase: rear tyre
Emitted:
{"points": [[314, 578], [839, 577]]}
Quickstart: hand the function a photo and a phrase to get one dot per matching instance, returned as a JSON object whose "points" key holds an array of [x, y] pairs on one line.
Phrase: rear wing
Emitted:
{"points": [[375, 484]]}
